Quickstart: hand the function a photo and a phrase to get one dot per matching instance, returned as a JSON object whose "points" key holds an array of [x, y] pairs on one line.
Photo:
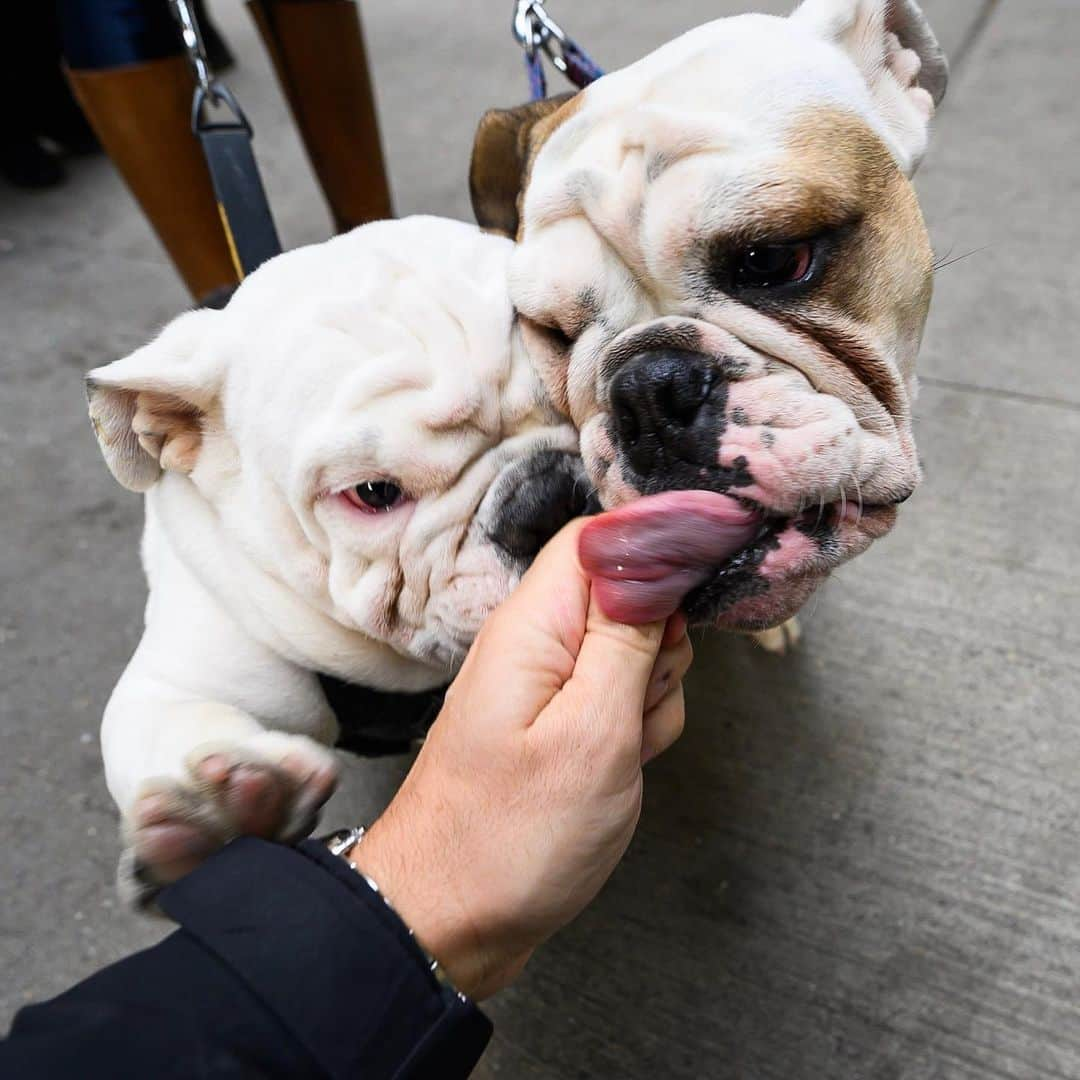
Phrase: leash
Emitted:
{"points": [[245, 212], [539, 35]]}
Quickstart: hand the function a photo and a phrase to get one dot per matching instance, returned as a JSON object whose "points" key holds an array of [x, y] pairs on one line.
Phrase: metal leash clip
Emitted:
{"points": [[245, 213], [196, 50], [538, 33], [535, 29]]}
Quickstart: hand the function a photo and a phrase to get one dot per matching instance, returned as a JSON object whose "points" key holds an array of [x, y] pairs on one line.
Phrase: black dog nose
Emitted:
{"points": [[656, 400]]}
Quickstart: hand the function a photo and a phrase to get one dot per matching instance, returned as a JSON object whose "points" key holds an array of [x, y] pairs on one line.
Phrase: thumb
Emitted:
{"points": [[619, 657], [556, 606]]}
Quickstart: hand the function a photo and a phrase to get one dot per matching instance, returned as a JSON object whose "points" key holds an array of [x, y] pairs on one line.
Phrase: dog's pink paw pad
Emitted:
{"points": [[168, 837], [256, 800]]}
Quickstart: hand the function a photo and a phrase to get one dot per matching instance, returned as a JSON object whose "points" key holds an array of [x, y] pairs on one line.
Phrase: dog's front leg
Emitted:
{"points": [[210, 735], [211, 773]]}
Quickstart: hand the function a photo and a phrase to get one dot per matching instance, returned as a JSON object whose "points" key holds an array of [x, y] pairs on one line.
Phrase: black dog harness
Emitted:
{"points": [[376, 723]]}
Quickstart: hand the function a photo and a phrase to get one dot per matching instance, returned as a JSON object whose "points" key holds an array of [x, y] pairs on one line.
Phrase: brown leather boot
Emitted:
{"points": [[317, 48], [142, 115]]}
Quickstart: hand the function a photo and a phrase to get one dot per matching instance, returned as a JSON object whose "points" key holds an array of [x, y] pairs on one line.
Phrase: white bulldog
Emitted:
{"points": [[723, 275], [345, 471]]}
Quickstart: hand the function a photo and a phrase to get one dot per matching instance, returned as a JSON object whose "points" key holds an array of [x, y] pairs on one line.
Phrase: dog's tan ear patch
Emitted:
{"points": [[148, 409], [893, 46], [506, 141]]}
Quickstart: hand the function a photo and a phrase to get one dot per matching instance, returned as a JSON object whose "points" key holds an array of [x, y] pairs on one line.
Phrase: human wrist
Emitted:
{"points": [[425, 893]]}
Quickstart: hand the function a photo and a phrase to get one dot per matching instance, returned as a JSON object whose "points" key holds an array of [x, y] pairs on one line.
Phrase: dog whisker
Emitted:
{"points": [[946, 261]]}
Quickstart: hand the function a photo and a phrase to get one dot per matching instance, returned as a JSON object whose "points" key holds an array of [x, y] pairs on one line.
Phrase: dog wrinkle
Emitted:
{"points": [[852, 350], [465, 412], [661, 336], [388, 617]]}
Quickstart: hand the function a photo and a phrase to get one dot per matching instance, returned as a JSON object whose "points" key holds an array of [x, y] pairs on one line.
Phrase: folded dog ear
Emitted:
{"points": [[148, 408], [892, 44], [506, 142]]}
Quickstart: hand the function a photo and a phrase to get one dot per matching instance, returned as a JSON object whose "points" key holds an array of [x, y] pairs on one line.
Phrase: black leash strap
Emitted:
{"points": [[241, 199]]}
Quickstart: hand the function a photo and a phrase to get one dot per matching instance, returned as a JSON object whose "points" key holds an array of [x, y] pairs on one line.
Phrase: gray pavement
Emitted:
{"points": [[862, 861]]}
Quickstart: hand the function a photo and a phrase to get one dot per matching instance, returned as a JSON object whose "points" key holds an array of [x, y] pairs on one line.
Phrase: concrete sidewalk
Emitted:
{"points": [[862, 861]]}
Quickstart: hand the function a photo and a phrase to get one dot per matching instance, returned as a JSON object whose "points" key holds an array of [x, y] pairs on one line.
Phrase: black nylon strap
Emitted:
{"points": [[245, 211]]}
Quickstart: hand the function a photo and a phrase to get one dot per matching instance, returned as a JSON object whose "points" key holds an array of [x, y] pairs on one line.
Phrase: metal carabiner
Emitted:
{"points": [[526, 27], [553, 37], [196, 50], [537, 32], [535, 29]]}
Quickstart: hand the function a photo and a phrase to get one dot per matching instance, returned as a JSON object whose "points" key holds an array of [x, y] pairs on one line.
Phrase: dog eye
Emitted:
{"points": [[375, 496], [765, 266]]}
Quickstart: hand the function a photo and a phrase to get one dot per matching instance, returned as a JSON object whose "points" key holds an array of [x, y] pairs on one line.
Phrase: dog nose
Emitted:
{"points": [[656, 403], [547, 492]]}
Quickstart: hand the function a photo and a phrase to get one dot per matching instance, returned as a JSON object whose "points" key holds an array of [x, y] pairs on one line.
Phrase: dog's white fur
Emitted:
{"points": [[387, 353]]}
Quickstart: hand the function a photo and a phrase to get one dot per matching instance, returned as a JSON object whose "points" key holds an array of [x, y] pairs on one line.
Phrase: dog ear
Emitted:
{"points": [[147, 409], [892, 44], [505, 144]]}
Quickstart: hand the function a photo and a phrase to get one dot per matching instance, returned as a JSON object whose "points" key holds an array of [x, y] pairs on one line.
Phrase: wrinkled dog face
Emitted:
{"points": [[367, 426], [723, 274]]}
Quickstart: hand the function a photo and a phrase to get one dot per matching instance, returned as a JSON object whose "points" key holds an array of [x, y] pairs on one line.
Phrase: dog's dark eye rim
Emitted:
{"points": [[775, 266], [375, 496], [765, 266]]}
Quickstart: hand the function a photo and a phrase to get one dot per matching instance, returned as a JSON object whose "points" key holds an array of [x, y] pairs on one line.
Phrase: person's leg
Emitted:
{"points": [[24, 77], [317, 48], [217, 50], [128, 73]]}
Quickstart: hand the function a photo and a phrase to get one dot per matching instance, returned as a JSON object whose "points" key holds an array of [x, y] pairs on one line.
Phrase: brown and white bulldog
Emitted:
{"points": [[723, 274]]}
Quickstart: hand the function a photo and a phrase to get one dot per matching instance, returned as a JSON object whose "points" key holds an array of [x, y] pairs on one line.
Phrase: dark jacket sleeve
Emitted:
{"points": [[286, 964]]}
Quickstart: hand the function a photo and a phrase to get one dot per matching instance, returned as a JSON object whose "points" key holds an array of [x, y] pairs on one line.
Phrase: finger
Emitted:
{"points": [[618, 660], [675, 629], [671, 665], [552, 597], [663, 724]]}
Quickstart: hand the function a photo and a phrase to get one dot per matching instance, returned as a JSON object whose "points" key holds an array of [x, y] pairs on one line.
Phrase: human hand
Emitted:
{"points": [[528, 788]]}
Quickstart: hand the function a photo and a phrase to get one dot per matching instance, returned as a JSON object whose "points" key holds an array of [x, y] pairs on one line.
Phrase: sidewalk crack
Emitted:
{"points": [[974, 34], [1001, 394]]}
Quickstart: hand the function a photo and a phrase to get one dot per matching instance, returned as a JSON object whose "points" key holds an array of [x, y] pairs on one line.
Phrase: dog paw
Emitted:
{"points": [[272, 786], [781, 639]]}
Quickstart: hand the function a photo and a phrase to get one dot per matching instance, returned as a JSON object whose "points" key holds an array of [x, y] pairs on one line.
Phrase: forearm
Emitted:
{"points": [[285, 965]]}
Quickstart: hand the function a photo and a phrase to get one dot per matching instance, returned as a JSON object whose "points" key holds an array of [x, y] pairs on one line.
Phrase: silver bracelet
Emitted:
{"points": [[341, 843]]}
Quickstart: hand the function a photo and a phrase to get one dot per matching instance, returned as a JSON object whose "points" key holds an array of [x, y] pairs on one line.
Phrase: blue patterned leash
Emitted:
{"points": [[539, 35]]}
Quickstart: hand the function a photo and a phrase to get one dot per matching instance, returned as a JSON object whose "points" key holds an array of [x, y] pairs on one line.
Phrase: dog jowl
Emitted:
{"points": [[723, 274]]}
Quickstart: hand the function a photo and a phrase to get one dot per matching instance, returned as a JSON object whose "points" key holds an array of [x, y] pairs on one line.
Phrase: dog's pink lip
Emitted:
{"points": [[646, 556]]}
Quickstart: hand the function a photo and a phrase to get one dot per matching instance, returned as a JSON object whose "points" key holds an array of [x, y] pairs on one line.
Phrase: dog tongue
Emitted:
{"points": [[646, 556]]}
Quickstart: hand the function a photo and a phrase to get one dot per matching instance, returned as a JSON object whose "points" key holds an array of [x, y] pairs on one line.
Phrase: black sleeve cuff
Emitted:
{"points": [[330, 960]]}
